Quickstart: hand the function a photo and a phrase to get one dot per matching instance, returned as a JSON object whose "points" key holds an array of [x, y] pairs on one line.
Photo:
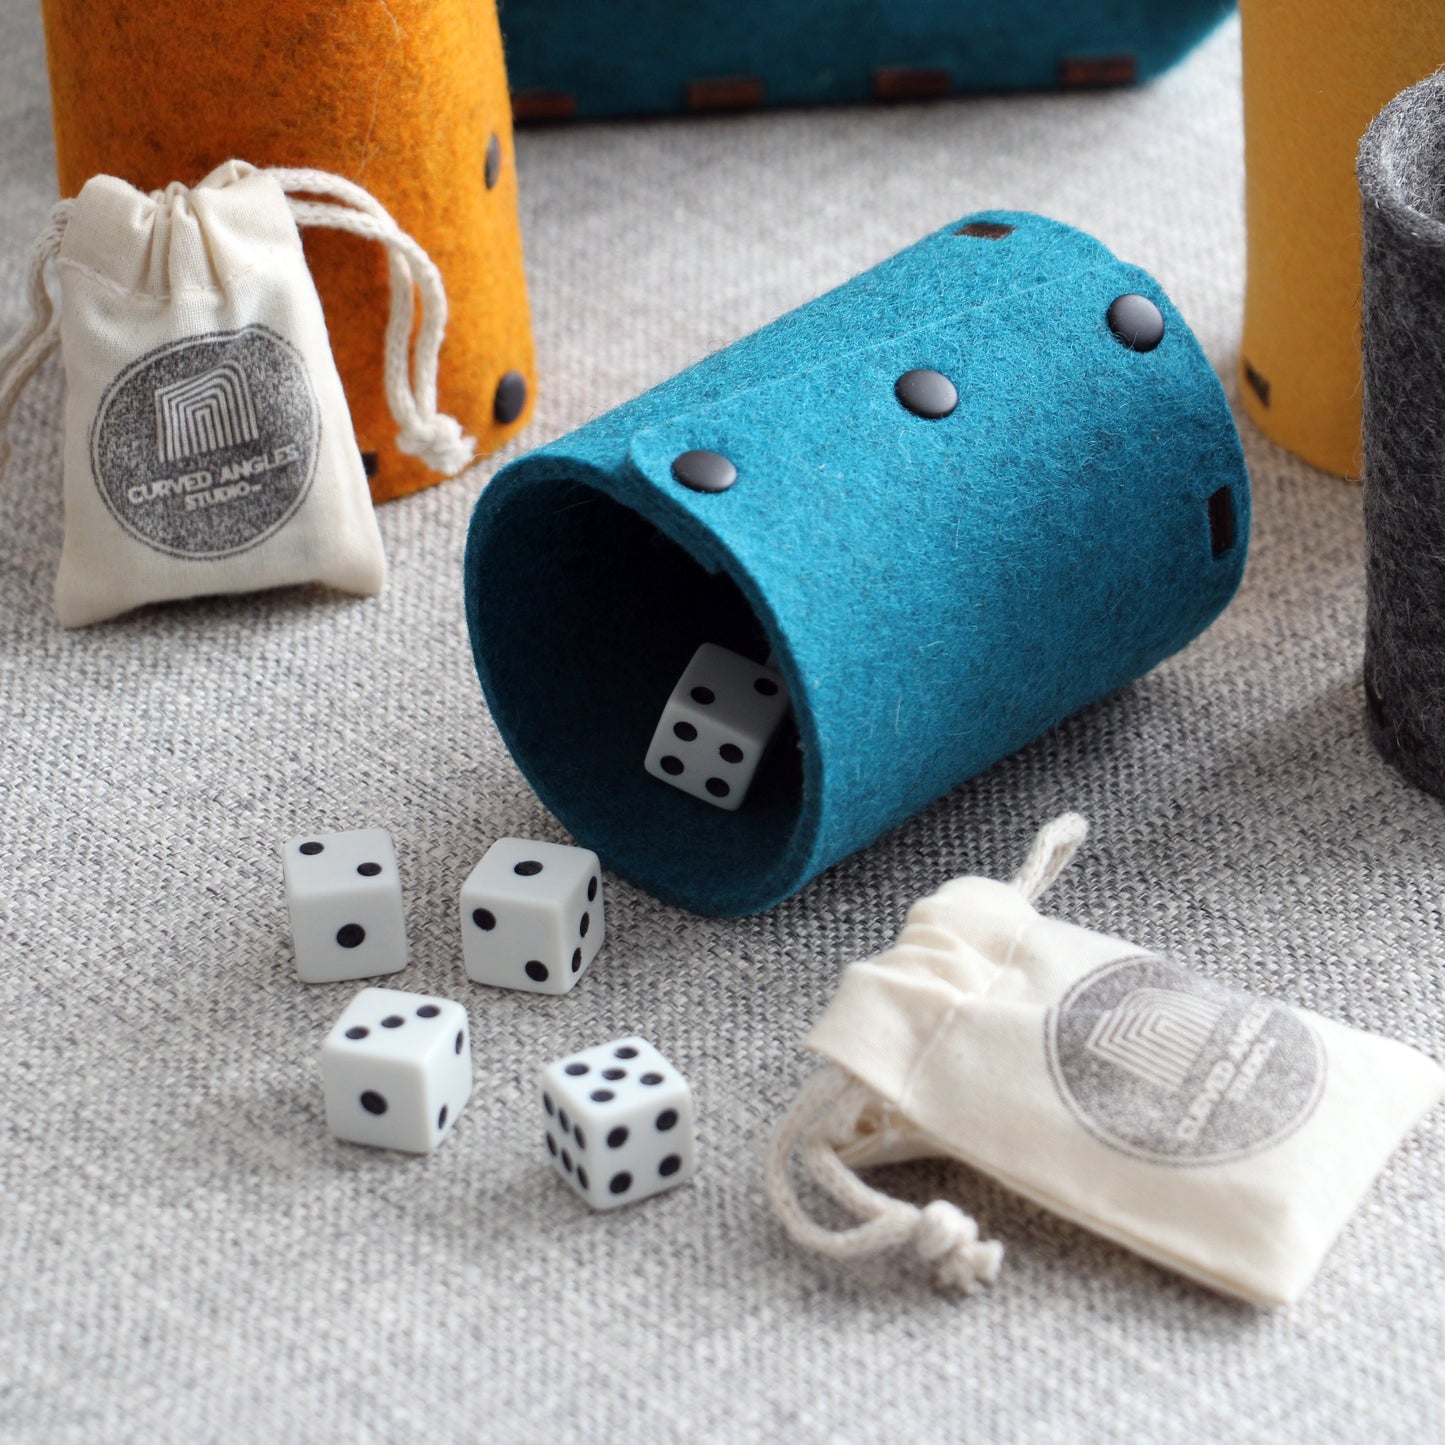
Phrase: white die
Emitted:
{"points": [[531, 915], [717, 725], [396, 1070], [619, 1122], [343, 892]]}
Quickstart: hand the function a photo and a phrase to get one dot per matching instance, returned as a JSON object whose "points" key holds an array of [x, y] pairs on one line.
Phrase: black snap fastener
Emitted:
{"points": [[1136, 322], [929, 394], [511, 397], [704, 471]]}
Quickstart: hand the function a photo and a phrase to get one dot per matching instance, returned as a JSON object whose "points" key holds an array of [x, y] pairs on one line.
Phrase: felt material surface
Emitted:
{"points": [[576, 57], [1315, 73], [938, 592], [184, 1254], [403, 98], [1402, 189]]}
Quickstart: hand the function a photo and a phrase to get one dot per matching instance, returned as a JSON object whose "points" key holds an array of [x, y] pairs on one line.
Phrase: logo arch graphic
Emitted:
{"points": [[206, 413], [1156, 1034]]}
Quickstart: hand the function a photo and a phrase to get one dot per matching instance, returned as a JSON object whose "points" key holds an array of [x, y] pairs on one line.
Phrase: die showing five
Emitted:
{"points": [[618, 1122]]}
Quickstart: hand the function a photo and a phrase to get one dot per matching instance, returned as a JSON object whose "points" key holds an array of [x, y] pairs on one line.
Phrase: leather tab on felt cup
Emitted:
{"points": [[408, 99], [938, 589]]}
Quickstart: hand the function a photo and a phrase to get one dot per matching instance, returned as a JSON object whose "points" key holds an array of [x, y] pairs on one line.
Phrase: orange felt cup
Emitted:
{"points": [[408, 99]]}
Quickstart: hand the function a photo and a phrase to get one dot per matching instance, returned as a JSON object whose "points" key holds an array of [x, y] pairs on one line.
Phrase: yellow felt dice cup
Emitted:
{"points": [[1315, 74]]}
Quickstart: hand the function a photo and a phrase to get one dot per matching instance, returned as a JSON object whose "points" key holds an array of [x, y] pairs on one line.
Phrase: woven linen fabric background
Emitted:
{"points": [[185, 1255]]}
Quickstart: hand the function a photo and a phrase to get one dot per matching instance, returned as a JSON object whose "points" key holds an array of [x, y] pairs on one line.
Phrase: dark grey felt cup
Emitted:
{"points": [[1402, 189]]}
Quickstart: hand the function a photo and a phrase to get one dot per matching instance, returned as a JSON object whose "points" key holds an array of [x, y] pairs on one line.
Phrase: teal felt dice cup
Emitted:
{"points": [[938, 589]]}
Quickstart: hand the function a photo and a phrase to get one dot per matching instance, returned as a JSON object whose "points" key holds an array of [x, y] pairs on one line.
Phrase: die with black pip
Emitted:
{"points": [[618, 1122], [531, 915], [717, 725], [343, 894], [396, 1070]]}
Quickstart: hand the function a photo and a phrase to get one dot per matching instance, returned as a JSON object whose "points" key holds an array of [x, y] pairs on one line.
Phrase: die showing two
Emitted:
{"points": [[343, 892]]}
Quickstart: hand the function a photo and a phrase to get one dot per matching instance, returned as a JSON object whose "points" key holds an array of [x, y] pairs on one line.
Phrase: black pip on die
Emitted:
{"points": [[531, 915], [343, 892], [619, 1122], [396, 1070], [717, 725]]}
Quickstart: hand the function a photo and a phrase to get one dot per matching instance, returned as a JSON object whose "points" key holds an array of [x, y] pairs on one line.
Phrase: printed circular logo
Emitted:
{"points": [[207, 446], [1177, 1069]]}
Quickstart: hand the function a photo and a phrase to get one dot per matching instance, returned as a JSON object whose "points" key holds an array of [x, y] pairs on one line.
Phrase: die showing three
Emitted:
{"points": [[531, 915], [396, 1070]]}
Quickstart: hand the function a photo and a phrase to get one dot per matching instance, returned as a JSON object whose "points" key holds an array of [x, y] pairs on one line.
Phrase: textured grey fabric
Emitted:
{"points": [[1402, 191], [186, 1256]]}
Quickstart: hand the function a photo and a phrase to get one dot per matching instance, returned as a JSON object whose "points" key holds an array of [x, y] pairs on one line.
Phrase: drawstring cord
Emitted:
{"points": [[826, 1119], [1052, 850], [410, 376], [23, 354]]}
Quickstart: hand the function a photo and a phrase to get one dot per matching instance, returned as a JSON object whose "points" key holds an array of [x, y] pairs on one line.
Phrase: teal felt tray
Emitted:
{"points": [[634, 57]]}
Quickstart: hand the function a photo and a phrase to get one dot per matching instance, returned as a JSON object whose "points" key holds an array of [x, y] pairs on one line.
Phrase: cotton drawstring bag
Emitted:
{"points": [[207, 442], [1222, 1135]]}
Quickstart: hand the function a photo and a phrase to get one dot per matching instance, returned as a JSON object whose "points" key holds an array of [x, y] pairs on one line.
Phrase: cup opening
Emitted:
{"points": [[584, 617]]}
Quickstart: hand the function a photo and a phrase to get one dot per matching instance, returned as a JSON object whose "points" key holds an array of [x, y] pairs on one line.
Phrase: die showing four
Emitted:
{"points": [[531, 915], [396, 1070], [618, 1122], [717, 725], [343, 894]]}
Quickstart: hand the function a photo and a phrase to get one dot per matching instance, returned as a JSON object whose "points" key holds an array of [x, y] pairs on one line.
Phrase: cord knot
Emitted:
{"points": [[440, 443], [948, 1239], [824, 1118]]}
